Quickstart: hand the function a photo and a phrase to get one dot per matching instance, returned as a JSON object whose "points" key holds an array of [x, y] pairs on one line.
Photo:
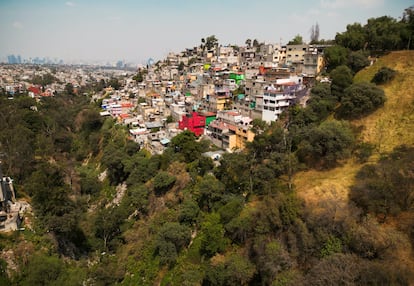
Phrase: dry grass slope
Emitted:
{"points": [[393, 124], [388, 127], [326, 192]]}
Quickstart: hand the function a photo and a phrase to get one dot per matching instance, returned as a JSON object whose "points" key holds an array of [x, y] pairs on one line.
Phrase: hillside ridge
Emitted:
{"points": [[386, 128]]}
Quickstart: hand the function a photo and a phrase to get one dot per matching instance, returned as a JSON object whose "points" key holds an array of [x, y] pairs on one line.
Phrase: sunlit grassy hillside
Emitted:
{"points": [[393, 124], [388, 127]]}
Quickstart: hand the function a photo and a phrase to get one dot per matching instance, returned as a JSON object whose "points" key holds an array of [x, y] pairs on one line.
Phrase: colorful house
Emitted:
{"points": [[210, 116], [238, 77], [193, 122]]}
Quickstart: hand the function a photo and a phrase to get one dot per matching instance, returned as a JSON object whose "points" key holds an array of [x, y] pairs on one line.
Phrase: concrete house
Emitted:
{"points": [[277, 98], [230, 130], [11, 211]]}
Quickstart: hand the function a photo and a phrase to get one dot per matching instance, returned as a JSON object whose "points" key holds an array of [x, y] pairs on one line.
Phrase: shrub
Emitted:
{"points": [[360, 99], [386, 187], [324, 145], [163, 181], [384, 75]]}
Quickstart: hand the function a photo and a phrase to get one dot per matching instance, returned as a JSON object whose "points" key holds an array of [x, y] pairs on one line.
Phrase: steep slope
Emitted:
{"points": [[326, 192], [393, 124], [388, 127]]}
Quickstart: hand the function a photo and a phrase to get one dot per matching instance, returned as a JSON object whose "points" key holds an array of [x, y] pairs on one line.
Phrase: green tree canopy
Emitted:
{"points": [[212, 235], [360, 99], [172, 237], [341, 79], [354, 38], [384, 75], [163, 181], [185, 145], [211, 42], [357, 60], [336, 56], [386, 187], [383, 33], [297, 40], [42, 270], [326, 144]]}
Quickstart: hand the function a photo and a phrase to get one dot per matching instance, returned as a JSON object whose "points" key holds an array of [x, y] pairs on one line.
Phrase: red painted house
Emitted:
{"points": [[34, 91], [193, 122]]}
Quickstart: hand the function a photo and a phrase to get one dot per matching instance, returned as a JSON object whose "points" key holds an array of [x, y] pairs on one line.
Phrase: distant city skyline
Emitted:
{"points": [[134, 31]]}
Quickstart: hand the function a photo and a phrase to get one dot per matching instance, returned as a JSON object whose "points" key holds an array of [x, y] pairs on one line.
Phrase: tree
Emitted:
{"points": [[321, 102], [189, 212], [42, 270], [357, 61], [114, 160], [211, 42], [181, 66], [137, 199], [258, 126], [172, 237], [384, 75], [341, 79], [314, 38], [231, 209], [209, 192], [89, 184], [108, 225], [234, 172], [139, 77], [248, 43], [50, 199], [271, 259], [407, 34], [297, 40], [336, 56], [141, 168], [236, 269], [114, 83], [163, 181], [354, 38], [338, 269], [4, 279], [383, 33], [386, 187], [185, 144], [324, 145], [203, 44], [239, 270], [69, 89], [89, 121], [212, 235], [360, 99]]}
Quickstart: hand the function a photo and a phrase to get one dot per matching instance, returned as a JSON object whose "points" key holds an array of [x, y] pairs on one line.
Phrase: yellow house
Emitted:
{"points": [[243, 135]]}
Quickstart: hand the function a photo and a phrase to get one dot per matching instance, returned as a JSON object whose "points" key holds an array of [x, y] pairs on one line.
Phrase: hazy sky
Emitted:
{"points": [[135, 30]]}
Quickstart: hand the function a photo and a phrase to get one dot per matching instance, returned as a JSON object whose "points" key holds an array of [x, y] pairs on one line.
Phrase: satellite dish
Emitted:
{"points": [[150, 62]]}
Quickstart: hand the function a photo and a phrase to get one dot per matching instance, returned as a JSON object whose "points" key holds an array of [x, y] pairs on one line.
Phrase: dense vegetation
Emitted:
{"points": [[107, 212]]}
